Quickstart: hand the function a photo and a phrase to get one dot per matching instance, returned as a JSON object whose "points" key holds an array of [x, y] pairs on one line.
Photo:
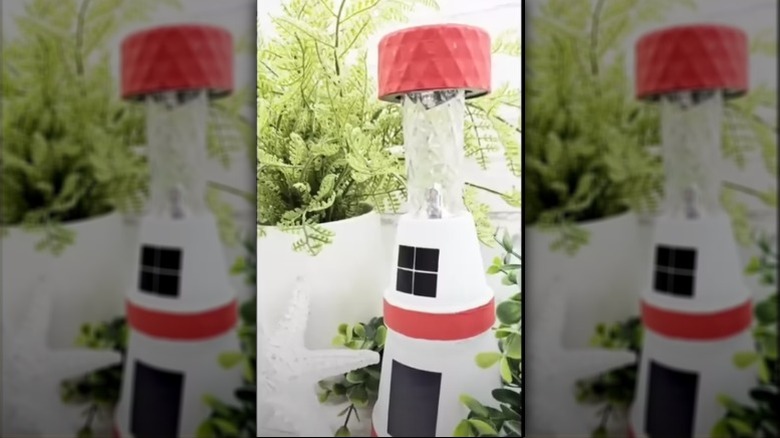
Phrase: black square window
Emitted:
{"points": [[414, 402], [675, 271], [157, 396], [417, 271], [685, 259], [159, 271], [426, 259], [404, 280], [170, 259], [146, 281], [663, 256], [406, 257], [424, 284], [168, 285], [671, 402]]}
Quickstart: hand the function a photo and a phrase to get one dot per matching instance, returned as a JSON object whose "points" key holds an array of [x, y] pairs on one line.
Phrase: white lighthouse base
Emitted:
{"points": [[458, 376], [712, 364], [201, 374]]}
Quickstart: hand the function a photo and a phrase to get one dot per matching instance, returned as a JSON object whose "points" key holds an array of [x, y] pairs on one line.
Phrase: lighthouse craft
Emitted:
{"points": [[439, 309], [181, 310], [696, 310]]}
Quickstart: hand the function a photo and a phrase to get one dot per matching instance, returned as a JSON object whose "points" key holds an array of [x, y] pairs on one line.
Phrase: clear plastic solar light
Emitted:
{"points": [[433, 137], [176, 124], [691, 136]]}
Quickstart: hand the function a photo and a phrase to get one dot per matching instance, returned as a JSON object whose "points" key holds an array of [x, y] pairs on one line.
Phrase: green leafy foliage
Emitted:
{"points": [[358, 388], [613, 390], [97, 390], [67, 138], [69, 141], [505, 419], [327, 148], [237, 418], [758, 419], [587, 137]]}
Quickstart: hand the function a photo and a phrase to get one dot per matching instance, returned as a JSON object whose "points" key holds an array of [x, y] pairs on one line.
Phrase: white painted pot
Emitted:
{"points": [[86, 279], [603, 280], [346, 279]]}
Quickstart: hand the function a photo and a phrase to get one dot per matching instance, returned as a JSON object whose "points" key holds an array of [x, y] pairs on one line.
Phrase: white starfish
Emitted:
{"points": [[288, 373], [552, 409], [33, 373]]}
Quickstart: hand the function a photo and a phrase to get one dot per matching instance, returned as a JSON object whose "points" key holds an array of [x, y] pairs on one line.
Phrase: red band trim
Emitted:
{"points": [[699, 326], [440, 327], [116, 432], [182, 326], [631, 432], [373, 431]]}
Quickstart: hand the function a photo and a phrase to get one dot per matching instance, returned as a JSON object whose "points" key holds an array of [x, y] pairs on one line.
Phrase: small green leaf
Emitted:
{"points": [[740, 426], [482, 427], [339, 341], [512, 427], [343, 329], [342, 431], [487, 360], [356, 376], [381, 335], [360, 331], [225, 427], [230, 359], [506, 372], [745, 359], [513, 346], [463, 429], [509, 312], [358, 396], [721, 430], [205, 430], [474, 405], [599, 432]]}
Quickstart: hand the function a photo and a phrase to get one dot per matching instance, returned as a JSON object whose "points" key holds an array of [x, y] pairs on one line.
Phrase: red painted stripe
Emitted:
{"points": [[116, 432], [438, 326], [698, 326], [631, 432], [182, 326], [373, 431]]}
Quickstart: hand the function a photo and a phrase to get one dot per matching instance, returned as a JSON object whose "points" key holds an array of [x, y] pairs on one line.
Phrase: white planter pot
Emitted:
{"points": [[345, 280], [602, 281], [85, 280]]}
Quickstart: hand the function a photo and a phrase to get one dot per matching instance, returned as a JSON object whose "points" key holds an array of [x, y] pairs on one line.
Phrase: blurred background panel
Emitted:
{"points": [[74, 179], [592, 185]]}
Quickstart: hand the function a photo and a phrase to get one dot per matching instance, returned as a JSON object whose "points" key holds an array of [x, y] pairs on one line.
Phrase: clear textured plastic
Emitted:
{"points": [[691, 135], [176, 127], [433, 137]]}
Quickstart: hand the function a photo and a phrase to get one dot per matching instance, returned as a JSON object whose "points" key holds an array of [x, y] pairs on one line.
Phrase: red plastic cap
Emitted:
{"points": [[696, 57], [174, 58], [437, 57]]}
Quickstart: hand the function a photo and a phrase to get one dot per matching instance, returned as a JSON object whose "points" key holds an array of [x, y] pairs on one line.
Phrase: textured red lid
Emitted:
{"points": [[438, 57], [180, 57], [692, 57]]}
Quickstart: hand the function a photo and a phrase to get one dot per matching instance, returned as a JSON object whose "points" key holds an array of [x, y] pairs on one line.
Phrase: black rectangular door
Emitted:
{"points": [[156, 405], [414, 402], [671, 402]]}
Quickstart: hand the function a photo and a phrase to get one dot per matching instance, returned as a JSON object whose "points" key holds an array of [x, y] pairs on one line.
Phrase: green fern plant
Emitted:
{"points": [[68, 139], [327, 148], [587, 147]]}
